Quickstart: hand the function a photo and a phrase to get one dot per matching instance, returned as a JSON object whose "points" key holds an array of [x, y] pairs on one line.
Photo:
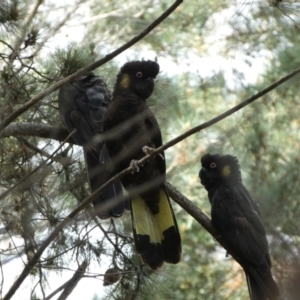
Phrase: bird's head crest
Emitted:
{"points": [[219, 169], [137, 77]]}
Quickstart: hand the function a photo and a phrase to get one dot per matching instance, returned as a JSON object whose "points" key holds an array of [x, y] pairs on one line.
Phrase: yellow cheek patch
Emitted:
{"points": [[125, 81], [226, 171]]}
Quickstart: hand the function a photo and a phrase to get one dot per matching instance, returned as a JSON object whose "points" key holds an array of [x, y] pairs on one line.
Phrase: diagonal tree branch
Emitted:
{"points": [[57, 291], [73, 281], [142, 161], [62, 160], [191, 209], [90, 67], [69, 286]]}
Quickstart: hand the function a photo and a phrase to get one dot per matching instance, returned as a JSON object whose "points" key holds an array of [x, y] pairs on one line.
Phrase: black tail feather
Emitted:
{"points": [[171, 244], [147, 235], [171, 240], [109, 203], [261, 284], [151, 253], [156, 235]]}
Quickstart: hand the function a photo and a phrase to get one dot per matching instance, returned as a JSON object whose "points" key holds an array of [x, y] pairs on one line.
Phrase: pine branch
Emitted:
{"points": [[69, 286], [35, 129], [25, 27], [114, 244], [57, 27], [57, 291], [73, 281], [23, 180], [90, 67], [2, 275], [10, 14], [62, 160]]}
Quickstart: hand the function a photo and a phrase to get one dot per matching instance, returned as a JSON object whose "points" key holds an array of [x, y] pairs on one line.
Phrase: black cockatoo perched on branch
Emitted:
{"points": [[237, 219], [134, 131], [82, 105]]}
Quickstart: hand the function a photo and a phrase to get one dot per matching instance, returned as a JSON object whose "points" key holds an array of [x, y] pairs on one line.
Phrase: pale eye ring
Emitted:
{"points": [[213, 165], [139, 74]]}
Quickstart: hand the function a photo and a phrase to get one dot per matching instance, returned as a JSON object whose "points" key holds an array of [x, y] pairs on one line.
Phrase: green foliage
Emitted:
{"points": [[68, 61], [11, 13]]}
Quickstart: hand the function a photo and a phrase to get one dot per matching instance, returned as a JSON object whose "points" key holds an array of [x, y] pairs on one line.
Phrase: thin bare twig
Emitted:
{"points": [[40, 282], [114, 244], [90, 67], [13, 242], [2, 275], [61, 160]]}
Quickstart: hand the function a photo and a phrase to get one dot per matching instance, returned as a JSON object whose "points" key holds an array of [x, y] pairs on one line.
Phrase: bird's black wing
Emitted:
{"points": [[74, 109], [242, 231], [156, 139], [82, 104]]}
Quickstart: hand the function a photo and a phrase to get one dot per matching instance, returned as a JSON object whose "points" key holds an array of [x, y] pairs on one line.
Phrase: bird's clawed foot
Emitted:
{"points": [[134, 165], [148, 150]]}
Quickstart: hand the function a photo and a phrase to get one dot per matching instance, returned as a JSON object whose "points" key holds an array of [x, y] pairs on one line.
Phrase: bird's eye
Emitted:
{"points": [[139, 74], [213, 165]]}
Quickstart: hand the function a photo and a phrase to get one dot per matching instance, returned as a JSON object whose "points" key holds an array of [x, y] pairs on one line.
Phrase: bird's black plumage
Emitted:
{"points": [[82, 105], [237, 219], [155, 229]]}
